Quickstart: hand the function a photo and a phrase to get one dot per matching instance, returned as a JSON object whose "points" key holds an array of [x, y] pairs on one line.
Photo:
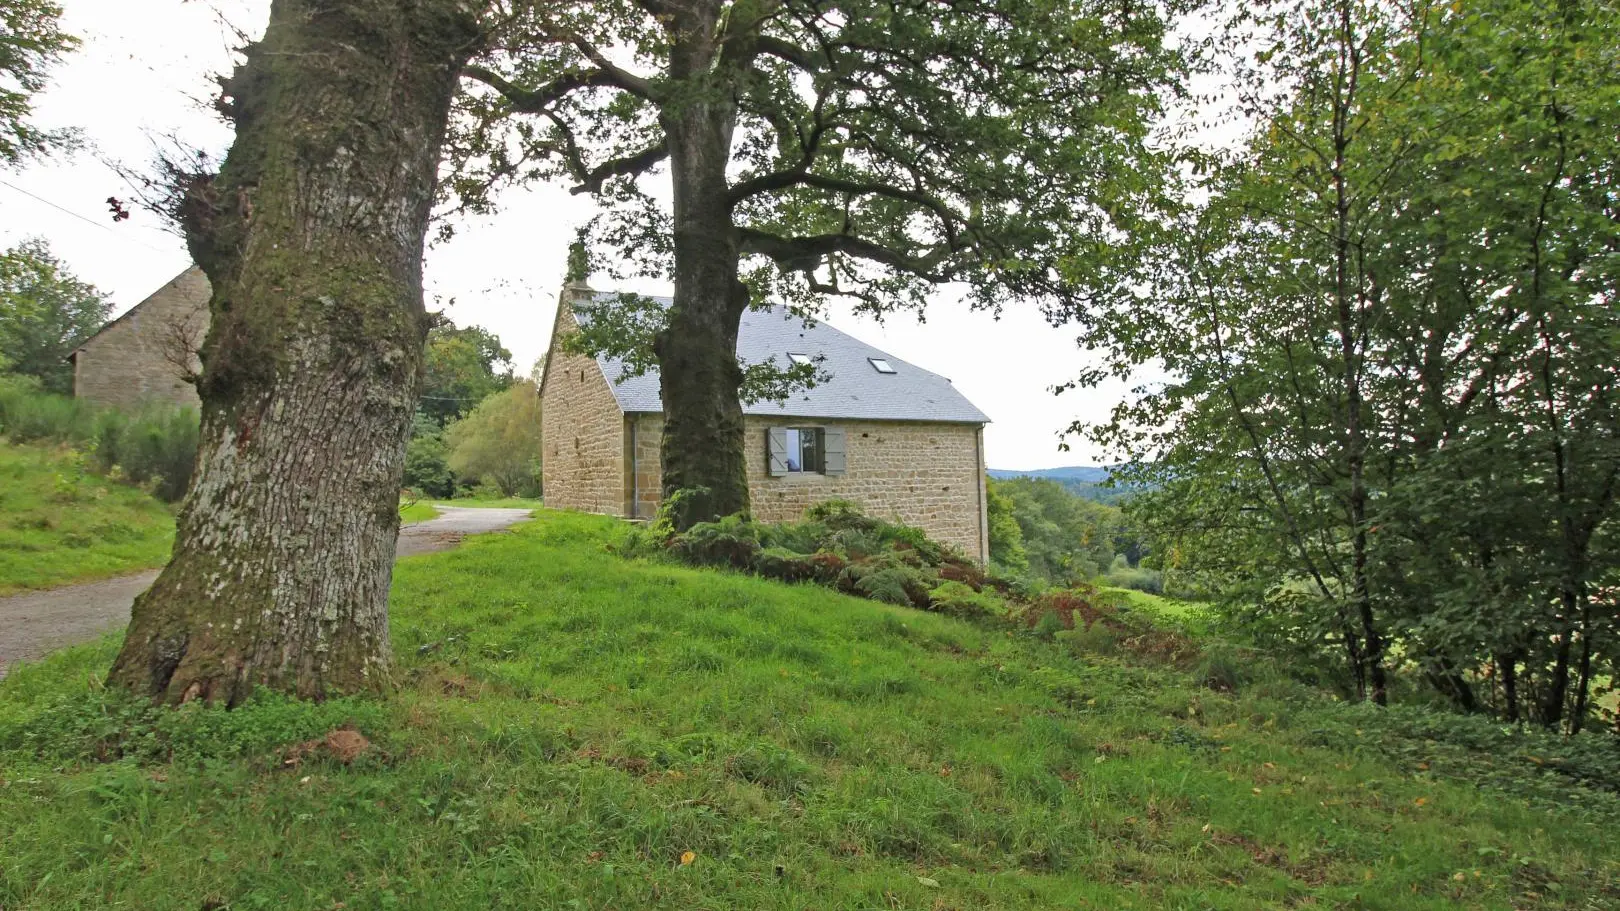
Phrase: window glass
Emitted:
{"points": [[880, 365], [795, 458], [802, 360], [810, 449]]}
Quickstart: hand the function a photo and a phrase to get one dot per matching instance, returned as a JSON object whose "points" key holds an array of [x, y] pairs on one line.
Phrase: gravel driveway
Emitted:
{"points": [[34, 623]]}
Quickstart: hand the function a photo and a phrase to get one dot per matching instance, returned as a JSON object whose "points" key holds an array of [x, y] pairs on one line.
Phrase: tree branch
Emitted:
{"points": [[781, 180], [538, 101], [628, 166], [804, 254], [624, 79]]}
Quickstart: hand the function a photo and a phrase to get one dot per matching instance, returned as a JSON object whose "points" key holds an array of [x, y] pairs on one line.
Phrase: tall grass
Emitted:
{"points": [[155, 447]]}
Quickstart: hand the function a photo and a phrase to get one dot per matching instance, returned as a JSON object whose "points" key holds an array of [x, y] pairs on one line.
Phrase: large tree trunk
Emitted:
{"points": [[703, 442], [311, 235]]}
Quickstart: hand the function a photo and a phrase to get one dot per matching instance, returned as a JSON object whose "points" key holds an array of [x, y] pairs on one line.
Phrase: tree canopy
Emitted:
{"points": [[498, 443], [31, 40], [461, 367], [1391, 430], [45, 312]]}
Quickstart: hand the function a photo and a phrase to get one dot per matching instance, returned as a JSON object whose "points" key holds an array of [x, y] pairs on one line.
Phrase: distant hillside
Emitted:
{"points": [[1091, 474], [1081, 480]]}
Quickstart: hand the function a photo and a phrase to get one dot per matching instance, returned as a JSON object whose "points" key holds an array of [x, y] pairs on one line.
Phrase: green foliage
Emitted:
{"points": [[427, 459], [568, 724], [31, 41], [498, 443], [155, 448], [45, 312], [1063, 538], [461, 368], [1006, 535], [912, 209], [1123, 575], [60, 523], [1389, 323], [958, 599]]}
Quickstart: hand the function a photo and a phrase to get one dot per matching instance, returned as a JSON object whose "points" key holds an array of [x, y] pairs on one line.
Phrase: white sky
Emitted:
{"points": [[144, 71]]}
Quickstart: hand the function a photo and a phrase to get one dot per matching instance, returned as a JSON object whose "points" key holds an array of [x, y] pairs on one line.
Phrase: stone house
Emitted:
{"points": [[144, 355], [891, 436]]}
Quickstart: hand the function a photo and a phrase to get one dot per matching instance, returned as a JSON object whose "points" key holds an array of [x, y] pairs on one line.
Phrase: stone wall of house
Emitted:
{"points": [[582, 433], [927, 475], [133, 361]]}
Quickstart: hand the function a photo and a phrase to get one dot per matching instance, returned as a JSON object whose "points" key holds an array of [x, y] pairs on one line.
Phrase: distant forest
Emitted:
{"points": [[1088, 481]]}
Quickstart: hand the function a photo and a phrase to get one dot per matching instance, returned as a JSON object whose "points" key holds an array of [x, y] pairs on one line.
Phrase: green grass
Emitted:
{"points": [[1155, 605], [494, 502], [419, 511], [60, 524], [568, 725]]}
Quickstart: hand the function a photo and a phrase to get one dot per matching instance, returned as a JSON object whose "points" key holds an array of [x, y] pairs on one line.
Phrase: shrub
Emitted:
{"points": [[427, 465], [786, 565], [733, 541], [155, 447], [888, 584], [1220, 669], [956, 599]]}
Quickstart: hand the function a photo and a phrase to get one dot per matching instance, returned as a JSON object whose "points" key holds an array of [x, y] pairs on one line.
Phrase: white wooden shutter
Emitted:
{"points": [[776, 451], [832, 454]]}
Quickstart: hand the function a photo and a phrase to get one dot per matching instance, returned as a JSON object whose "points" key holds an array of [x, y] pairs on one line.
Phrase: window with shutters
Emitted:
{"points": [[805, 450]]}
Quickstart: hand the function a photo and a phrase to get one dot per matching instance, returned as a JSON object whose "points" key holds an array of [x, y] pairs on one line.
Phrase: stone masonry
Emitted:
{"points": [[927, 475], [582, 432], [136, 359], [598, 459]]}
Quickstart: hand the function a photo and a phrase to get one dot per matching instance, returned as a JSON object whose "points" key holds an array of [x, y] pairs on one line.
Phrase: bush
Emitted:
{"points": [[733, 541], [957, 599], [155, 447], [1123, 575], [427, 465], [499, 442]]}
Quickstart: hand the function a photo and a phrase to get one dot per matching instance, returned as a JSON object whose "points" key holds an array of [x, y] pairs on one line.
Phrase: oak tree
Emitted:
{"points": [[311, 234], [871, 150]]}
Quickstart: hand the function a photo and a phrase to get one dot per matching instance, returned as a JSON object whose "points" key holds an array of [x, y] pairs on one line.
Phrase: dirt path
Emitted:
{"points": [[34, 623]]}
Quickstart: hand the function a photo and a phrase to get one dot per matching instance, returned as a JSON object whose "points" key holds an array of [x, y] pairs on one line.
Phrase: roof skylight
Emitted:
{"points": [[881, 365], [803, 360]]}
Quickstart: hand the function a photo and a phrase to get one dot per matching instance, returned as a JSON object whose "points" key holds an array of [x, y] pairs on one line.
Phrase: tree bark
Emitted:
{"points": [[704, 448], [311, 235]]}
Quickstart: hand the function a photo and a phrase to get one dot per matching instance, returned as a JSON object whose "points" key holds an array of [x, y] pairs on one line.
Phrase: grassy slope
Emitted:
{"points": [[570, 725], [60, 524], [1157, 605], [420, 511]]}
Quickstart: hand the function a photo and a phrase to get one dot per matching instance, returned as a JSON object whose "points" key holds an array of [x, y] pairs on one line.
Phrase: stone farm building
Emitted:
{"points": [[898, 440], [142, 357]]}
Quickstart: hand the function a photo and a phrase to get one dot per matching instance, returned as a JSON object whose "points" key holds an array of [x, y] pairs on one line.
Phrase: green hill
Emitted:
{"points": [[577, 731], [60, 523]]}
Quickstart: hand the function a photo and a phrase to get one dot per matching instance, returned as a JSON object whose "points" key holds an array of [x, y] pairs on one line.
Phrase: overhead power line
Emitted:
{"points": [[90, 221]]}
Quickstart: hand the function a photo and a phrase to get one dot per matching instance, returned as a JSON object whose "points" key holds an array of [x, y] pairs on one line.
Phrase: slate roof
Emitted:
{"points": [[855, 391]]}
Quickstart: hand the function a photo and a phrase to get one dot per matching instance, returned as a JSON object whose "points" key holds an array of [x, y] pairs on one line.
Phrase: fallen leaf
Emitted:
{"points": [[687, 858], [930, 883]]}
